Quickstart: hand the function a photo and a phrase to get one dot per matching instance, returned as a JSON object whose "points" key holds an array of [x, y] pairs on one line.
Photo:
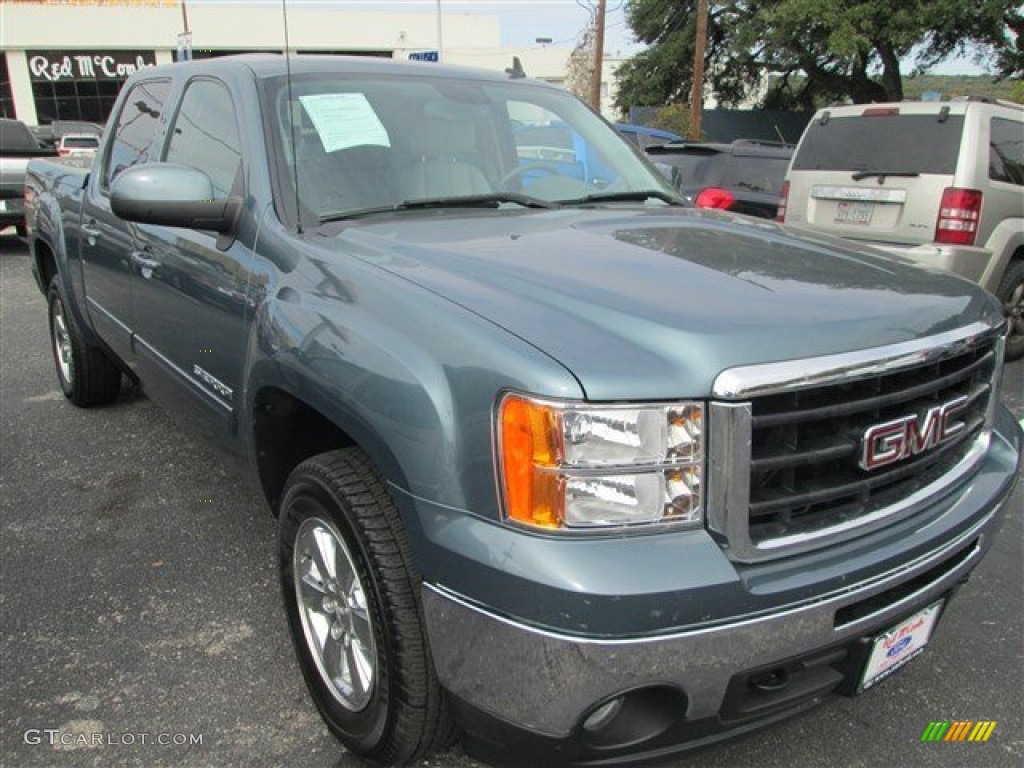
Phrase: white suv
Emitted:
{"points": [[941, 183]]}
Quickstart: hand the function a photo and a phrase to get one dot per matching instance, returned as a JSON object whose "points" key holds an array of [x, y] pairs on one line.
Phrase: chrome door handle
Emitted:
{"points": [[91, 232], [139, 258]]}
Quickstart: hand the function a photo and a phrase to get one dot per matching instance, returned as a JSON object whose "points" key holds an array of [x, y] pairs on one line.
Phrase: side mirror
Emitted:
{"points": [[171, 195]]}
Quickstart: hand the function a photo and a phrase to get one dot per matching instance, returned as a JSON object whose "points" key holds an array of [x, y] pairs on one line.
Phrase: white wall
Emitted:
{"points": [[242, 26], [469, 39]]}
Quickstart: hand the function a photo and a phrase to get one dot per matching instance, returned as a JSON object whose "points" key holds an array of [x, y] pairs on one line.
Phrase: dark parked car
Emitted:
{"points": [[744, 177], [17, 146]]}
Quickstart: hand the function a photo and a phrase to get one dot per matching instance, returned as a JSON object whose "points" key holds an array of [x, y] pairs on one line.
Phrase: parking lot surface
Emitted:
{"points": [[140, 602]]}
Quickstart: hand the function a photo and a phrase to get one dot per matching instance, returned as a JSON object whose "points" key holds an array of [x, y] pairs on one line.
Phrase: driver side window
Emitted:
{"points": [[205, 135], [137, 128]]}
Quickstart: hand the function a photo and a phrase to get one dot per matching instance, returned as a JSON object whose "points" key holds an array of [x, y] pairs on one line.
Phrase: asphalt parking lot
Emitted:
{"points": [[140, 601]]}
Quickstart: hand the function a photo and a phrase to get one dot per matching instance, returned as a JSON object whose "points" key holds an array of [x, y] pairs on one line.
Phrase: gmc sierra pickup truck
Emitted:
{"points": [[560, 464]]}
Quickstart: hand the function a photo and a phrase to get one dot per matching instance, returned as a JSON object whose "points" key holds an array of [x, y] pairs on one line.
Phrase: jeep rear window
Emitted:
{"points": [[81, 142], [895, 143]]}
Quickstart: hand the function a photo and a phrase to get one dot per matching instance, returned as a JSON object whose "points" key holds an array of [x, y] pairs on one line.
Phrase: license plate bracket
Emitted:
{"points": [[892, 649]]}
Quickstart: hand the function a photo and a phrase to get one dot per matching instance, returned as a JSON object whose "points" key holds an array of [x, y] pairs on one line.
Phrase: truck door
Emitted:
{"points": [[106, 240], [191, 289]]}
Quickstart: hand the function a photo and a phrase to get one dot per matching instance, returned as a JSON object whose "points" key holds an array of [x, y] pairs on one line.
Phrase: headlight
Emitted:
{"points": [[575, 466]]}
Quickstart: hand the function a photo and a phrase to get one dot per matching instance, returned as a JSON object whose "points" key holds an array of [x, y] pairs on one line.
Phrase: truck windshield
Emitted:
{"points": [[365, 143]]}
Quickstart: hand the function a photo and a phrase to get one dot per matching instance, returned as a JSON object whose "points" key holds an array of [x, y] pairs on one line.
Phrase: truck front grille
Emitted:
{"points": [[787, 462], [804, 471]]}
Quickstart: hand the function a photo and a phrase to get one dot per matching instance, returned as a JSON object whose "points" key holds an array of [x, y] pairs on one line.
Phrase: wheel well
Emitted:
{"points": [[46, 263], [286, 432]]}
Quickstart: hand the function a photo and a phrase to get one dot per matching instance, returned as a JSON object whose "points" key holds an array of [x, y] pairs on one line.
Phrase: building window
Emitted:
{"points": [[81, 85], [6, 98]]}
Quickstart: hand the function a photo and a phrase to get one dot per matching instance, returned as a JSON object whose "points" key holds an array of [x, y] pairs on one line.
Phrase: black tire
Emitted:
{"points": [[87, 376], [1011, 294], [402, 713]]}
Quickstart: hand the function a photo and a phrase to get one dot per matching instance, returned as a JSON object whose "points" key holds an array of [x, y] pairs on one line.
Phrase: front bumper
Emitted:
{"points": [[530, 688]]}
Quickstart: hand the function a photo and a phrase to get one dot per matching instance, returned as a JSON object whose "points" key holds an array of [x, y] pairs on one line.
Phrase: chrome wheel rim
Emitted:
{"points": [[61, 342], [336, 621], [1014, 310]]}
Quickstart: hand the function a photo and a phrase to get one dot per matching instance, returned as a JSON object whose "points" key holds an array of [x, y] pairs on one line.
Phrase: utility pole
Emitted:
{"points": [[697, 94], [440, 47], [595, 81], [185, 38]]}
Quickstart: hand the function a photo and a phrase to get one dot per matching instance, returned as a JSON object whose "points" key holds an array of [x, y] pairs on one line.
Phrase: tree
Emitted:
{"points": [[821, 50], [580, 68]]}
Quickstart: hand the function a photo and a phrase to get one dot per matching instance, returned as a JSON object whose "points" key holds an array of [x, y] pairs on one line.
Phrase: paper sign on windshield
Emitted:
{"points": [[345, 120]]}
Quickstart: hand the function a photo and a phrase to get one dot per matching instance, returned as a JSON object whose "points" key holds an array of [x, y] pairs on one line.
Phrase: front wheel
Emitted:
{"points": [[86, 375], [1011, 294], [351, 596]]}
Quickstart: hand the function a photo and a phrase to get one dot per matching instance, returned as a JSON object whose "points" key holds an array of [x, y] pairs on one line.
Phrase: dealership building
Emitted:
{"points": [[67, 59]]}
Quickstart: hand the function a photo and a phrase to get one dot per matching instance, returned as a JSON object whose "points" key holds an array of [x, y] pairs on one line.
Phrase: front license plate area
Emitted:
{"points": [[854, 213], [895, 647]]}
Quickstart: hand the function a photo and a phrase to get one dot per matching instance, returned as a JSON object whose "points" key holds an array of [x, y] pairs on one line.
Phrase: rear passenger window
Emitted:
{"points": [[1006, 151], [136, 130], [205, 135]]}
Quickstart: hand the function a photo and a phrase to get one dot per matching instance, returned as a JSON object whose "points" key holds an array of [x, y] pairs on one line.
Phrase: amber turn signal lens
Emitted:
{"points": [[530, 453]]}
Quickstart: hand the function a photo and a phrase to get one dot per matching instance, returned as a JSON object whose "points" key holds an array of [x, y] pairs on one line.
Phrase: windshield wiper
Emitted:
{"points": [[624, 197], [488, 200], [859, 175], [752, 187]]}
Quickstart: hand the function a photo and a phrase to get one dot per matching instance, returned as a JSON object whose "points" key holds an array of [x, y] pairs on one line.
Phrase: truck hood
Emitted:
{"points": [[646, 303]]}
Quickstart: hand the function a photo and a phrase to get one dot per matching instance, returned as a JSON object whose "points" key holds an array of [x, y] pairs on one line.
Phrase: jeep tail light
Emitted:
{"points": [[958, 216], [715, 197], [780, 215], [575, 466]]}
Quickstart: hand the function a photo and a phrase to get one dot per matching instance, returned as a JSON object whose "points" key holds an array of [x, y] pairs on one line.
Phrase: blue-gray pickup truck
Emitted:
{"points": [[561, 465]]}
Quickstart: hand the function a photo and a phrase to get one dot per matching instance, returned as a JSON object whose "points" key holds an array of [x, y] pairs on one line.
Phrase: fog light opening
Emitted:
{"points": [[632, 718], [772, 680]]}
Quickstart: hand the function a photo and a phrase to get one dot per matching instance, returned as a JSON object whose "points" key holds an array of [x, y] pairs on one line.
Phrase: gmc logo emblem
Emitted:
{"points": [[896, 440]]}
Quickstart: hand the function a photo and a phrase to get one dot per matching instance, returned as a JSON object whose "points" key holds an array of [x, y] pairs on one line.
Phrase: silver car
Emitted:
{"points": [[939, 182]]}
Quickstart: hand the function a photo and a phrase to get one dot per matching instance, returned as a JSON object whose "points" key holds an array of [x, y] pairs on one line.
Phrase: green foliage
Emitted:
{"points": [[951, 86], [822, 50], [674, 118]]}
